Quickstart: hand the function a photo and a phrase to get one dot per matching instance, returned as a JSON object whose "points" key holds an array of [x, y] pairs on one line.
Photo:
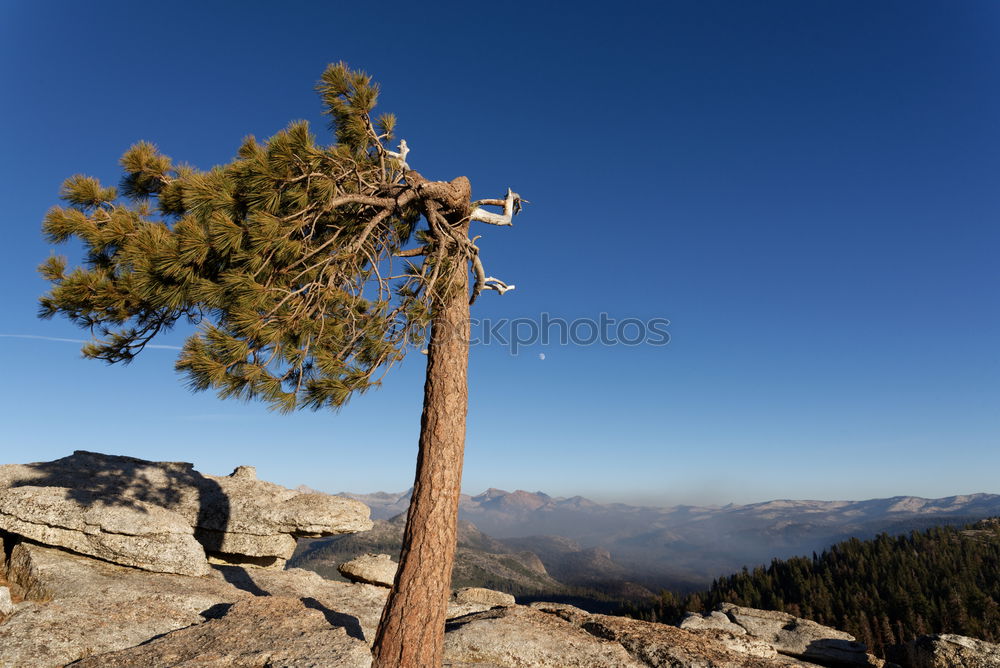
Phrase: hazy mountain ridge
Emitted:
{"points": [[687, 546], [480, 559], [586, 576], [572, 564]]}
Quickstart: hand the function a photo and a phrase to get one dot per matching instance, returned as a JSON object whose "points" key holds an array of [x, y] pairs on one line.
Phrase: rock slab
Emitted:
{"points": [[77, 607], [236, 518], [946, 651], [133, 533], [664, 646], [482, 596], [355, 606], [692, 621], [527, 637], [521, 636], [376, 569], [6, 602], [263, 631], [802, 638]]}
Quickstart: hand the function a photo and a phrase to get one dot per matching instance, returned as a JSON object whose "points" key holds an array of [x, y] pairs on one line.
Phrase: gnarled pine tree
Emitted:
{"points": [[310, 270]]}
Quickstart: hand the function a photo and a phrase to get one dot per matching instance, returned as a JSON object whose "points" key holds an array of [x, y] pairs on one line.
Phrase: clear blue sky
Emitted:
{"points": [[809, 191]]}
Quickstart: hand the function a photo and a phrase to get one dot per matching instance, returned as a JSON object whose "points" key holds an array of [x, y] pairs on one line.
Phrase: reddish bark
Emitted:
{"points": [[411, 632]]}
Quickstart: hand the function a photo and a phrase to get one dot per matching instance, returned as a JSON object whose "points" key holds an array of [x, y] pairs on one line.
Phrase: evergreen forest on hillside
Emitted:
{"points": [[885, 591]]}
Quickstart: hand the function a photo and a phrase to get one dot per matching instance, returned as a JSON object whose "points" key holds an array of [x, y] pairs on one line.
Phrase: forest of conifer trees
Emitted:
{"points": [[885, 591]]}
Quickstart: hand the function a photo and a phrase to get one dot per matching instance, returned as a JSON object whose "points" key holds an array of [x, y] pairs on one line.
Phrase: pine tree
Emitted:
{"points": [[310, 270]]}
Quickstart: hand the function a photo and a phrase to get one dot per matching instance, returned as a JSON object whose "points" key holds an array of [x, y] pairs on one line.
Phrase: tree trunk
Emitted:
{"points": [[411, 632]]}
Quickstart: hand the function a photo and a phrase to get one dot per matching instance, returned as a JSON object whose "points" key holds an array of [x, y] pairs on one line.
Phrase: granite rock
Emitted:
{"points": [[376, 569], [714, 620], [6, 603], [135, 534], [236, 518], [665, 646], [801, 638], [482, 596], [355, 606], [527, 637], [947, 650], [262, 631], [76, 606]]}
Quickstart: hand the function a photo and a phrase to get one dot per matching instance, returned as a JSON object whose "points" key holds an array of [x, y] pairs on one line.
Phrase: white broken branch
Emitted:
{"points": [[401, 154], [497, 284], [484, 282], [511, 205]]}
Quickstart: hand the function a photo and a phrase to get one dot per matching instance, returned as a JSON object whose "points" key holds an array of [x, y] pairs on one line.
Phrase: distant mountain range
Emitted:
{"points": [[684, 547]]}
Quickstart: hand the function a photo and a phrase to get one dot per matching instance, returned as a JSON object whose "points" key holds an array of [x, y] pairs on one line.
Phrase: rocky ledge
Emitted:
{"points": [[165, 516], [95, 596]]}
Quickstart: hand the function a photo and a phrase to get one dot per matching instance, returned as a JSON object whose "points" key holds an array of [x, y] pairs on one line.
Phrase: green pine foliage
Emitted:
{"points": [[885, 591], [284, 257]]}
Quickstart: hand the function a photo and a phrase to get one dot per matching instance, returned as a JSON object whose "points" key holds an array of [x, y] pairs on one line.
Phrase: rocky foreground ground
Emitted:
{"points": [[86, 585]]}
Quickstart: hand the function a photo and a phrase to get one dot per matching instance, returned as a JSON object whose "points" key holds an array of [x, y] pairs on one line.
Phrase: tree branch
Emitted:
{"points": [[399, 155], [484, 282], [511, 206], [413, 252]]}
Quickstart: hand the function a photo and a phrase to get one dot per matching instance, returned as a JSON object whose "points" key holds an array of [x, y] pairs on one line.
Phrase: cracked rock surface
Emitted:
{"points": [[376, 569], [120, 508], [137, 534], [75, 606], [262, 631], [945, 650]]}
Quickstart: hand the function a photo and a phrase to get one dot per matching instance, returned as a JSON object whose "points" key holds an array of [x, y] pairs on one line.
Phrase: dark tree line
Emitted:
{"points": [[885, 591]]}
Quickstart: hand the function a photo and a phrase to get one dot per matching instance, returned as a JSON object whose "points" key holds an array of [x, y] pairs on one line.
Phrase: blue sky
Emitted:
{"points": [[807, 190]]}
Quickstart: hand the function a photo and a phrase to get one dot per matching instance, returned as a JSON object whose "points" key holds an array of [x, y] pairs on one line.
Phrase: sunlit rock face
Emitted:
{"points": [[945, 650], [165, 516], [376, 569], [135, 534]]}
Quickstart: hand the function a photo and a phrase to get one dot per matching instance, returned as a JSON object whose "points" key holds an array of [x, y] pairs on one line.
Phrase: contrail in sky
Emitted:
{"points": [[56, 338]]}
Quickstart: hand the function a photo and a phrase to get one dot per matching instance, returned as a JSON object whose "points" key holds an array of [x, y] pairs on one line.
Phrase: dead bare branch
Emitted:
{"points": [[511, 206]]}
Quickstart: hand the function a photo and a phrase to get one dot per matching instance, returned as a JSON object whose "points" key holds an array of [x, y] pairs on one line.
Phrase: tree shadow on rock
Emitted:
{"points": [[243, 579], [91, 478], [343, 620], [240, 578]]}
